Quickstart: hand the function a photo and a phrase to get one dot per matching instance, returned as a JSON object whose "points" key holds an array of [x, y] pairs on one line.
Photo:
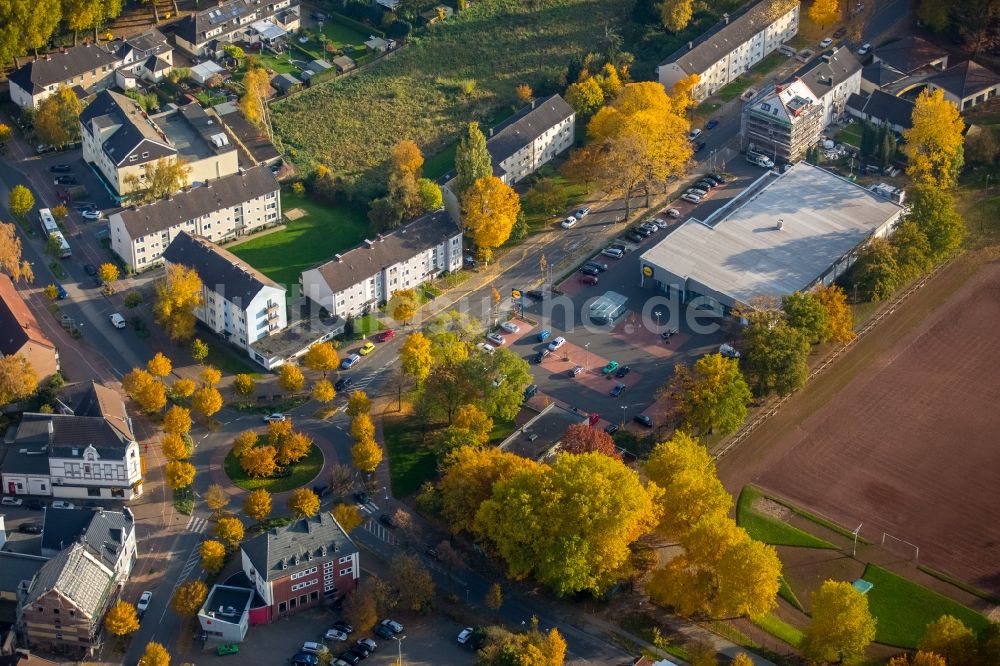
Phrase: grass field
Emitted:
{"points": [[303, 472], [417, 93], [411, 462], [228, 359], [904, 609], [780, 629], [851, 135], [322, 232], [771, 530]]}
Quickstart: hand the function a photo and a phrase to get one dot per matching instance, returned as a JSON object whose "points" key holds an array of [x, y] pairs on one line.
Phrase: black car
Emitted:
{"points": [[699, 146], [839, 32], [361, 649], [719, 178], [305, 659], [90, 269], [634, 237], [617, 390], [705, 184], [534, 295], [540, 356], [343, 383], [340, 625], [65, 180], [350, 657], [321, 490], [598, 265], [611, 429], [530, 391], [642, 231], [388, 521], [622, 371], [589, 270], [644, 420], [383, 632], [618, 246], [29, 528], [361, 497], [60, 168], [369, 644]]}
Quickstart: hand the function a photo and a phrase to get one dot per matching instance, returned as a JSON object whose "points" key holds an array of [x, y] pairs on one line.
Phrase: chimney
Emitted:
{"points": [[779, 225], [532, 103], [337, 257], [491, 132]]}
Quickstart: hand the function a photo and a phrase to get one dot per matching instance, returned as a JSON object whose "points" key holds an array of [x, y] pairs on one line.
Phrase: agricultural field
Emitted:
{"points": [[460, 71]]}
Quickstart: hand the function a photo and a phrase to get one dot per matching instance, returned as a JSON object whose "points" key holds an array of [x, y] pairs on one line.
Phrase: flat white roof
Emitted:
{"points": [[823, 218]]}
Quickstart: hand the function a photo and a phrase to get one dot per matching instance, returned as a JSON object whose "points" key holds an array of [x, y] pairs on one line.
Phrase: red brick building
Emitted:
{"points": [[300, 565]]}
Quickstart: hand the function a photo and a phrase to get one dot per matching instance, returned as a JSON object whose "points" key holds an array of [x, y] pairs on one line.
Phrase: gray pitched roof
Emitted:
{"points": [[93, 399], [220, 270], [225, 192], [282, 551], [909, 54], [726, 35], [124, 129], [526, 125], [249, 136], [149, 43], [828, 70], [62, 66], [881, 74], [966, 79], [65, 433], [370, 257], [16, 568], [76, 575], [884, 107], [103, 532]]}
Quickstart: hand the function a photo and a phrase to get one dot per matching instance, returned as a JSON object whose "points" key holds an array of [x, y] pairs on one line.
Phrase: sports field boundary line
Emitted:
{"points": [[771, 409]]}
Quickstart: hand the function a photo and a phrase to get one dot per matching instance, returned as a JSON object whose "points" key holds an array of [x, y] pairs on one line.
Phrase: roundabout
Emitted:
{"points": [[292, 476]]}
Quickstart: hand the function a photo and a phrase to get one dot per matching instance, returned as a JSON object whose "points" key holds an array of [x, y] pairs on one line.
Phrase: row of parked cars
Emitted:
{"points": [[703, 187], [312, 653]]}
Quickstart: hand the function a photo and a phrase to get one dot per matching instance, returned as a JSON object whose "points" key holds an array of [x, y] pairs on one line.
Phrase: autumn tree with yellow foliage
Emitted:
{"points": [[243, 442], [174, 447], [257, 504], [162, 177], [842, 625], [348, 516], [824, 12], [145, 389], [179, 474], [489, 211], [188, 598], [154, 655], [321, 357], [122, 619], [366, 455], [177, 420], [293, 448], [934, 144], [676, 14], [323, 391], [415, 356], [159, 366], [230, 530], [260, 462], [253, 103], [303, 503], [206, 401], [403, 304], [216, 498], [11, 262], [213, 556], [290, 378], [17, 379], [469, 474], [177, 296]]}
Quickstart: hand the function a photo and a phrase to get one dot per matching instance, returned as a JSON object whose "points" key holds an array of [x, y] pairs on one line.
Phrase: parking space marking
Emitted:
{"points": [[381, 532], [193, 560]]}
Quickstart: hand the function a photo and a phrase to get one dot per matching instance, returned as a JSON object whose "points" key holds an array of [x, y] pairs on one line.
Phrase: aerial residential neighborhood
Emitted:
{"points": [[644, 333]]}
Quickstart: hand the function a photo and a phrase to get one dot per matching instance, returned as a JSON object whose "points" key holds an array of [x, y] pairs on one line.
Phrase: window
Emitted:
{"points": [[346, 572]]}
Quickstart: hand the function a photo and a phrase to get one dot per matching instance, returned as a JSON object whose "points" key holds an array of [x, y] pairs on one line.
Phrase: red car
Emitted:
{"points": [[589, 279], [387, 334]]}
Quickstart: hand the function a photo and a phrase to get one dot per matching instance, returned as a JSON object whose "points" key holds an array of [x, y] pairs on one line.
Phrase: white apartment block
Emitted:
{"points": [[205, 32], [121, 139], [832, 77], [732, 47], [220, 210], [367, 276], [87, 451], [239, 303]]}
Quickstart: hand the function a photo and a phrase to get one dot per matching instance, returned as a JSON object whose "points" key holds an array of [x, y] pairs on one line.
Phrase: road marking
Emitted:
{"points": [[193, 560], [381, 532], [197, 525]]}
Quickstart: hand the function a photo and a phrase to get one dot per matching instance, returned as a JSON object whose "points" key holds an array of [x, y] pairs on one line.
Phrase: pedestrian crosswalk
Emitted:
{"points": [[192, 562], [197, 525]]}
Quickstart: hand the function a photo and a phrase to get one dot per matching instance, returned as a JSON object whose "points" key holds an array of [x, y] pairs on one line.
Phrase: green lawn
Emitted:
{"points": [[850, 135], [771, 530], [341, 35], [497, 44], [904, 609], [282, 64], [780, 629], [322, 232], [982, 222], [302, 473], [411, 461], [575, 193], [228, 360], [734, 88], [441, 162], [770, 63]]}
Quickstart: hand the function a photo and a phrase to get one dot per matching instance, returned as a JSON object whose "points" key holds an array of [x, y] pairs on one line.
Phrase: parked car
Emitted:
{"points": [[540, 356], [534, 294], [826, 42], [589, 279], [465, 635], [63, 504], [343, 384], [227, 649], [611, 429], [865, 48], [394, 626], [557, 343], [64, 180], [383, 632], [589, 270], [691, 198], [117, 320], [697, 191], [610, 367], [673, 212], [92, 215], [711, 124], [635, 237], [622, 371], [30, 528], [617, 390], [12, 501], [342, 626], [598, 265], [368, 644], [386, 335], [544, 335], [700, 146], [575, 370], [60, 168], [839, 32], [643, 420], [569, 222], [306, 659], [642, 231], [387, 520], [144, 601], [695, 133], [485, 348], [582, 213], [612, 252], [496, 339], [33, 505], [350, 657], [367, 348], [728, 351], [349, 362], [277, 416], [719, 178], [361, 649], [510, 327], [706, 184], [313, 647], [530, 391], [651, 227]]}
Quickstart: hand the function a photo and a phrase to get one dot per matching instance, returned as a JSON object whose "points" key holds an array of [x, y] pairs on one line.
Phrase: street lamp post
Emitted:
{"points": [[386, 491], [399, 645], [657, 314], [624, 411]]}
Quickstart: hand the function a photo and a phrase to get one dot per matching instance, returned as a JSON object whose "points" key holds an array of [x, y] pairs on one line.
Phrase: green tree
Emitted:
{"points": [[911, 250], [586, 96], [777, 354], [948, 637], [53, 246], [933, 14], [805, 312], [430, 195], [676, 14], [583, 550], [842, 626], [57, 120], [714, 396], [20, 201], [472, 159], [876, 271], [933, 211]]}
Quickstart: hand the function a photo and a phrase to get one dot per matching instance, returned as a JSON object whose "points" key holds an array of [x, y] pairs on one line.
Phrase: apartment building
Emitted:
{"points": [[108, 535], [87, 450], [832, 77], [20, 333], [205, 32], [301, 565], [91, 67], [732, 47], [239, 303], [121, 140], [352, 283], [64, 605], [220, 210]]}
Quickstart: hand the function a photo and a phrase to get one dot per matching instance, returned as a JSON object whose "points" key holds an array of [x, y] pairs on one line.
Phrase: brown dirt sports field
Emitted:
{"points": [[903, 432]]}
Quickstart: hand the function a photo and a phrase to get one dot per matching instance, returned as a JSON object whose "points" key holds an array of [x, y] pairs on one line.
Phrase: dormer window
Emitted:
{"points": [[145, 155], [133, 158]]}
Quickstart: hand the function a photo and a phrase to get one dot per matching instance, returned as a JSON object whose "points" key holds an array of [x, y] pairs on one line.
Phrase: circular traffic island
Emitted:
{"points": [[289, 477]]}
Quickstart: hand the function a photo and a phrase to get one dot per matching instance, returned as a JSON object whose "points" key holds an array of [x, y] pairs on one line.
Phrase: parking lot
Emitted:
{"points": [[428, 640], [633, 340]]}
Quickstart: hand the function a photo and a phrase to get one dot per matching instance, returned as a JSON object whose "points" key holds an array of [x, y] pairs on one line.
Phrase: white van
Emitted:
{"points": [[117, 320]]}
